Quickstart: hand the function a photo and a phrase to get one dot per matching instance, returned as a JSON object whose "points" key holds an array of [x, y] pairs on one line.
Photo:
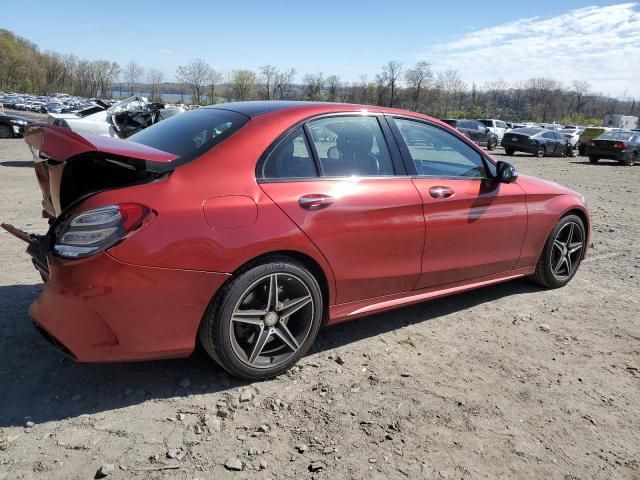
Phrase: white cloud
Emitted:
{"points": [[597, 44]]}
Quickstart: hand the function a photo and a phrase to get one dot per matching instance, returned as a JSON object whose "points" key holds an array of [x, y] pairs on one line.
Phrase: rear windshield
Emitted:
{"points": [[615, 136], [192, 133], [527, 131]]}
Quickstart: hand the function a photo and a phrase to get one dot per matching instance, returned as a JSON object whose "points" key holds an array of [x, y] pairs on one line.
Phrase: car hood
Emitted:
{"points": [[537, 185]]}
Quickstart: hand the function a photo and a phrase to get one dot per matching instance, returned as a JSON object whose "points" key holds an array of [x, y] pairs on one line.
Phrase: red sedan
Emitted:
{"points": [[247, 226]]}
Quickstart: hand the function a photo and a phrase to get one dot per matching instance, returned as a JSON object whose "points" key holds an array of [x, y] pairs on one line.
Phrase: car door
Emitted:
{"points": [[501, 129], [475, 226], [346, 188], [550, 143]]}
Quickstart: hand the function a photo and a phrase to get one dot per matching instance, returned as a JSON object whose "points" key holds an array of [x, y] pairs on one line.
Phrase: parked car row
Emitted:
{"points": [[57, 103]]}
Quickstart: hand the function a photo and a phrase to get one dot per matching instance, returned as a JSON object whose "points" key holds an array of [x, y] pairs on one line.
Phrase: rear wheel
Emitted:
{"points": [[541, 151], [509, 151], [264, 320], [593, 159], [5, 132], [562, 253]]}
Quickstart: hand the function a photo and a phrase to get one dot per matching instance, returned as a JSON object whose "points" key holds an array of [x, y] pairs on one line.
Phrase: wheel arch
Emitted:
{"points": [[309, 262]]}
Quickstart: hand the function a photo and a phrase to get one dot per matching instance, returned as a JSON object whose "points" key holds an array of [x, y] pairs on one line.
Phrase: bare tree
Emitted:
{"points": [[283, 84], [213, 79], [243, 84], [313, 85], [268, 74], [392, 73], [194, 75], [580, 90], [494, 89], [332, 83], [450, 89], [418, 78], [154, 78], [132, 73]]}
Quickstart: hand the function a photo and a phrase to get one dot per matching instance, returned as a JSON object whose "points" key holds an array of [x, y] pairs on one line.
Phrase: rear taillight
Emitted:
{"points": [[590, 143], [95, 230], [620, 145]]}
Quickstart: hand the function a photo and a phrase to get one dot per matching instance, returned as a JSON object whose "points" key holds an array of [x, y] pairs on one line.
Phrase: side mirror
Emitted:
{"points": [[505, 172]]}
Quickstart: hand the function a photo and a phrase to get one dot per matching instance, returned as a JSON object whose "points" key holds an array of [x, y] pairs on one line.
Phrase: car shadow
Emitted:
{"points": [[606, 163], [41, 385], [17, 163]]}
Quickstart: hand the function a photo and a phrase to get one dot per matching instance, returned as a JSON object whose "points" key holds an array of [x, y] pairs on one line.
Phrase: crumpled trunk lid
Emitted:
{"points": [[69, 166]]}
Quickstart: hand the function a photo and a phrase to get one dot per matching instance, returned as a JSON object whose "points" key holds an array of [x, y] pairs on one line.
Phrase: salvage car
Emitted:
{"points": [[537, 141], [476, 131], [12, 125], [247, 226], [120, 120], [622, 146]]}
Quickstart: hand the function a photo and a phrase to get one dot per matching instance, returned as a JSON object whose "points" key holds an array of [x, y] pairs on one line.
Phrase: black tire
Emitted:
{"points": [[492, 144], [5, 132], [509, 151], [631, 161], [544, 274], [216, 327], [593, 159], [541, 151]]}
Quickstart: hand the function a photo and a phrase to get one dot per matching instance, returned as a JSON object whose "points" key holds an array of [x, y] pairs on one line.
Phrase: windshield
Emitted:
{"points": [[615, 136], [192, 133]]}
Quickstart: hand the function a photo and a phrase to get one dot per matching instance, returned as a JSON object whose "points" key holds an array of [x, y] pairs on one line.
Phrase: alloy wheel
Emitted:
{"points": [[271, 320], [567, 251]]}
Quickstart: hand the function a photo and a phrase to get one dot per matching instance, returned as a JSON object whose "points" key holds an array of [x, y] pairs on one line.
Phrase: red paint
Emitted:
{"points": [[380, 242]]}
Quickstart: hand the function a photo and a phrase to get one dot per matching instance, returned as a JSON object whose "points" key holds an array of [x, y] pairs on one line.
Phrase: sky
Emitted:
{"points": [[596, 41]]}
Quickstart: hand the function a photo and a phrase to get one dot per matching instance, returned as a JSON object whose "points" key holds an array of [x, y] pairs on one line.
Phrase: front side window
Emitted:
{"points": [[437, 153], [290, 159], [349, 146]]}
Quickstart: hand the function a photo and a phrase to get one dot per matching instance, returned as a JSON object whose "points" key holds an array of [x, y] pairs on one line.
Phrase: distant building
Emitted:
{"points": [[627, 122]]}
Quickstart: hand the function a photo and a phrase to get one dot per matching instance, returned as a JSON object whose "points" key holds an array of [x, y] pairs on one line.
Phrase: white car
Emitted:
{"points": [[495, 126], [572, 134], [119, 121]]}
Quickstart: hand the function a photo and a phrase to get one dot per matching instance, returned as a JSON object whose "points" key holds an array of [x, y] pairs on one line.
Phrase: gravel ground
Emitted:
{"points": [[510, 381]]}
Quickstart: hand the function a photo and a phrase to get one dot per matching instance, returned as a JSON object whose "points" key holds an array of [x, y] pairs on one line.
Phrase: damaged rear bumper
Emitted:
{"points": [[99, 309]]}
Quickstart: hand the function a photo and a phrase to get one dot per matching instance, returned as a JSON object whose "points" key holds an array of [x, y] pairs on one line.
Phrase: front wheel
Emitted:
{"points": [[541, 151], [264, 320], [631, 161], [562, 253], [492, 144]]}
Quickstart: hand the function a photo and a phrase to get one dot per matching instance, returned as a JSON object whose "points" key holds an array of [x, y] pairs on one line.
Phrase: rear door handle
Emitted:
{"points": [[441, 192], [315, 201]]}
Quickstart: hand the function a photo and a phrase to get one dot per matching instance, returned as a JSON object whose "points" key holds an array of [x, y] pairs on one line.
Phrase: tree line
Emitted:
{"points": [[420, 87]]}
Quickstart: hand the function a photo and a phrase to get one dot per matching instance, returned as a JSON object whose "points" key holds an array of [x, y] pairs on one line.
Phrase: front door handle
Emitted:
{"points": [[315, 201], [441, 192]]}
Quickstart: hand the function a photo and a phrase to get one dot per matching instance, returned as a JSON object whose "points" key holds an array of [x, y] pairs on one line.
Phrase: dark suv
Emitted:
{"points": [[476, 131]]}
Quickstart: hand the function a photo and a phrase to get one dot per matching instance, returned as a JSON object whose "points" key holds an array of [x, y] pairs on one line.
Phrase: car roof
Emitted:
{"points": [[259, 107]]}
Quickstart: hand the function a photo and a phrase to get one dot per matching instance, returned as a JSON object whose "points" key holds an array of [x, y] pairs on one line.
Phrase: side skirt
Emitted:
{"points": [[348, 311]]}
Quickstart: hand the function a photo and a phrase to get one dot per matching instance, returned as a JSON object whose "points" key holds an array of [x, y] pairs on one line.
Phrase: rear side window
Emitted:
{"points": [[191, 134], [290, 159], [437, 153]]}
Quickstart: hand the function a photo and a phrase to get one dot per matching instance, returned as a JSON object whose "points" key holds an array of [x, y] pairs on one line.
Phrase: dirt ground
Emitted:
{"points": [[510, 381]]}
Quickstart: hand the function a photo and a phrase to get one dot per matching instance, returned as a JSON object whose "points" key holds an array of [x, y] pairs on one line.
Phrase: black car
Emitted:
{"points": [[537, 141], [12, 125], [476, 131], [621, 146]]}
